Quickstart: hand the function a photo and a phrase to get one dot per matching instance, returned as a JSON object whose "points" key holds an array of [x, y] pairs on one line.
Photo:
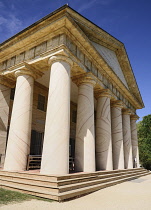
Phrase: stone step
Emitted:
{"points": [[27, 174], [91, 178], [11, 176], [82, 174], [68, 194], [29, 181], [60, 179], [89, 189], [95, 182], [45, 186], [30, 187], [69, 185]]}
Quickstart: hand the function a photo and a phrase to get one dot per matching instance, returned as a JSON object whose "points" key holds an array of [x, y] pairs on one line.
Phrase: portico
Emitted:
{"points": [[78, 73]]}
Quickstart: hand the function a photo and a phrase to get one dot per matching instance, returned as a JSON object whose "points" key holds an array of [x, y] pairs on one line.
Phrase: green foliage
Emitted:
{"points": [[8, 196], [144, 141]]}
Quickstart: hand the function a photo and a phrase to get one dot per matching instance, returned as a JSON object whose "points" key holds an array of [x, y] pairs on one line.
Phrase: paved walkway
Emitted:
{"points": [[135, 194]]}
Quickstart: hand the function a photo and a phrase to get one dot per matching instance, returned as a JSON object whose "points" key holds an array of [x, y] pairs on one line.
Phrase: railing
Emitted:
{"points": [[34, 162], [71, 164], [0, 159]]}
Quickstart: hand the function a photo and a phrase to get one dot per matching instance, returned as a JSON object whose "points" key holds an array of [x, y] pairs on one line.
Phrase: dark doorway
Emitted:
{"points": [[36, 144], [71, 155]]}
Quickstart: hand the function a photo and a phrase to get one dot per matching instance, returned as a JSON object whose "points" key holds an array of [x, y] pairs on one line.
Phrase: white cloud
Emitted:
{"points": [[88, 5], [14, 24], [10, 23], [105, 2], [3, 20]]}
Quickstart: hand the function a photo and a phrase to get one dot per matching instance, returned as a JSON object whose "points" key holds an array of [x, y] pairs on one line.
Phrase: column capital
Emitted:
{"points": [[56, 58], [103, 93], [27, 69], [24, 72], [134, 117], [126, 112], [117, 103], [7, 82], [84, 79]]}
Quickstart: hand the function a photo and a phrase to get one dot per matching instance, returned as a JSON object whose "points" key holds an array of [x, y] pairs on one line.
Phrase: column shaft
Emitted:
{"points": [[128, 163], [55, 157], [135, 151], [4, 113], [117, 137], [18, 146], [85, 140], [103, 134]]}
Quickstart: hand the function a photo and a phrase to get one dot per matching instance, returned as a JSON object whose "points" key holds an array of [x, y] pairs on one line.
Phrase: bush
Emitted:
{"points": [[144, 141]]}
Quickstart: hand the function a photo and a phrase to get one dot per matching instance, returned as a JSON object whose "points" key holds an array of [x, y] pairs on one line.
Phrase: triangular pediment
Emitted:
{"points": [[110, 45], [111, 59]]}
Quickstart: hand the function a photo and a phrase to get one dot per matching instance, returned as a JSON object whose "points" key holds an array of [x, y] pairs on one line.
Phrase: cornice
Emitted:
{"points": [[37, 26], [96, 30], [128, 73], [33, 40]]}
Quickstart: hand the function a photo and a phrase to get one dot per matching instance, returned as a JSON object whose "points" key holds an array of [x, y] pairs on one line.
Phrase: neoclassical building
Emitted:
{"points": [[67, 90]]}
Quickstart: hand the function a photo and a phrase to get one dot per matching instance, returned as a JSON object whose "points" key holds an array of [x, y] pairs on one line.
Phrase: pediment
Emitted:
{"points": [[112, 46], [111, 59]]}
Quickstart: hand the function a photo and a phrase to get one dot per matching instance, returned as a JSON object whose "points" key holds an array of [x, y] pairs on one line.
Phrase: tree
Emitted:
{"points": [[144, 141]]}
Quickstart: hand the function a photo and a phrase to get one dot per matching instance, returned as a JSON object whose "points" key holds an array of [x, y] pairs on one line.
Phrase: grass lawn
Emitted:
{"points": [[8, 196]]}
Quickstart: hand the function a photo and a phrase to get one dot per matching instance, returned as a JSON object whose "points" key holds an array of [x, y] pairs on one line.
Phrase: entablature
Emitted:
{"points": [[38, 56], [36, 39], [86, 61]]}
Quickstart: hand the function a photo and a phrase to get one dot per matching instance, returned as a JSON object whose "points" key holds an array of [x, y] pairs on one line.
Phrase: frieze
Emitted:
{"points": [[32, 53], [63, 39]]}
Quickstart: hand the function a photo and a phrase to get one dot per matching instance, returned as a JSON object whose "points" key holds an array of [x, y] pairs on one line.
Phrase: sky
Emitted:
{"points": [[127, 20]]}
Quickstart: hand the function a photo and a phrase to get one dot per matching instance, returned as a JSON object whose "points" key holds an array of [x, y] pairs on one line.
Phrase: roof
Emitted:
{"points": [[93, 33]]}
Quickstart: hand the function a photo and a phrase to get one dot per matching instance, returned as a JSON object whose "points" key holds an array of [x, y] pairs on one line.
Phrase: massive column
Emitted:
{"points": [[103, 132], [128, 163], [55, 157], [18, 145], [117, 135], [4, 112], [135, 151], [85, 139]]}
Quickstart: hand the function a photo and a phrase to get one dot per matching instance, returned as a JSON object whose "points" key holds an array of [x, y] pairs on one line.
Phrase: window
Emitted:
{"points": [[36, 144], [12, 93], [41, 102], [72, 148], [74, 116]]}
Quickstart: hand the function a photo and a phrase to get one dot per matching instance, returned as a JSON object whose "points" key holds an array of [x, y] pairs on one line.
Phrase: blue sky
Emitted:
{"points": [[127, 20]]}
